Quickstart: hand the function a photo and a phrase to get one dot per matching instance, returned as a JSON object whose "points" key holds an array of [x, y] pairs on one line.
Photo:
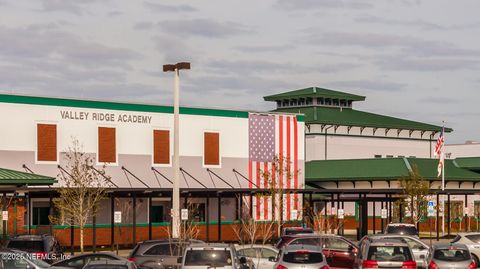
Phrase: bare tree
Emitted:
{"points": [[82, 188], [415, 195]]}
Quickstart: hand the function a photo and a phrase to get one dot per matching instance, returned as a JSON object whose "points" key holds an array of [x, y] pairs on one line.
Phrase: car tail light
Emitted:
{"points": [[433, 265], [370, 264], [326, 267], [132, 259], [472, 265], [409, 265], [281, 267]]}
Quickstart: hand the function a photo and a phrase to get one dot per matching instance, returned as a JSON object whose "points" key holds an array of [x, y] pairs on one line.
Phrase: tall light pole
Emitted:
{"points": [[176, 158]]}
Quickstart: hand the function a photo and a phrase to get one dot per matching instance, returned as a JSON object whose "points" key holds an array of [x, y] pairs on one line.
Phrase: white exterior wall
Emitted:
{"points": [[463, 150], [354, 147]]}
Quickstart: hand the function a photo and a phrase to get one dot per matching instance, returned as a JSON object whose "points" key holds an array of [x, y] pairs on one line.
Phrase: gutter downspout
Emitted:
{"points": [[325, 130]]}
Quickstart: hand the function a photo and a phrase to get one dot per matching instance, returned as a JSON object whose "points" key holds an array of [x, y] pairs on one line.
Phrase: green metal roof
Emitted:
{"points": [[471, 163], [314, 92], [12, 177], [382, 169], [351, 117]]}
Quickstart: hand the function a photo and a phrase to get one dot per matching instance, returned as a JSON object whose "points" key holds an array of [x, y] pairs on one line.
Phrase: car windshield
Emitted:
{"points": [[407, 230], [303, 257], [30, 246], [298, 231], [40, 263], [389, 253], [216, 258], [451, 255], [474, 238], [105, 266]]}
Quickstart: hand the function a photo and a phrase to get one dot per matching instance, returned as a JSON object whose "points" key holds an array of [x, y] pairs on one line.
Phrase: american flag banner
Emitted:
{"points": [[273, 141], [439, 152]]}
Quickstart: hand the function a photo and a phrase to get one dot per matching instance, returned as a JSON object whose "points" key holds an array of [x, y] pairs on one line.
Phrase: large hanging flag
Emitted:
{"points": [[439, 152], [272, 136]]}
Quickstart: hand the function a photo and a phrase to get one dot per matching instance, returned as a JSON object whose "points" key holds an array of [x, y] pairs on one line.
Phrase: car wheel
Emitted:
{"points": [[477, 261]]}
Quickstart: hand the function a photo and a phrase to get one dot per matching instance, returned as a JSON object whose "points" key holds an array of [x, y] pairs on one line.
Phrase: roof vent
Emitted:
{"points": [[314, 89]]}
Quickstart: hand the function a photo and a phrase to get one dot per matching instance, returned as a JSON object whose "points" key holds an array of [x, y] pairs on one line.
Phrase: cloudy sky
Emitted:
{"points": [[415, 59]]}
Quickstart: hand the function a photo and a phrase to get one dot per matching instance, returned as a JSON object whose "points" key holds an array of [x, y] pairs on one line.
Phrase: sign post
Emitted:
{"points": [[430, 214], [117, 219]]}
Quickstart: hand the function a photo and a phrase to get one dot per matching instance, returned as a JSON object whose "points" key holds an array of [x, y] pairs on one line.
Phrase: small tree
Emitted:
{"points": [[81, 191], [415, 195]]}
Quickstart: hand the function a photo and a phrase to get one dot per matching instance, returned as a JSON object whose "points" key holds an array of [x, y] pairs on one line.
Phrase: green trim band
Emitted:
{"points": [[373, 136], [49, 101]]}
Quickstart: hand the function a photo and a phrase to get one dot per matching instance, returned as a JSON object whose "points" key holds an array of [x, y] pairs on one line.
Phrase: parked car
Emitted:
{"points": [[206, 256], [260, 255], [450, 256], [385, 253], [296, 230], [44, 245], [79, 261], [16, 259], [401, 229], [419, 249], [110, 264], [301, 257], [159, 254], [339, 251], [472, 241]]}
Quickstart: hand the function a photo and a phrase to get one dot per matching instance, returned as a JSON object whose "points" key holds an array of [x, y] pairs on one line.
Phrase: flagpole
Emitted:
{"points": [[442, 157]]}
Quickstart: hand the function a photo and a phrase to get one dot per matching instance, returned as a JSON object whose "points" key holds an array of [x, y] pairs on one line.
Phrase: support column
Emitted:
{"points": [[94, 232], [326, 216], [50, 212], [311, 210], [112, 221], [134, 220], [219, 217], [449, 214], [207, 209], [29, 213], [390, 209], [438, 217], [373, 218], [150, 214], [5, 222]]}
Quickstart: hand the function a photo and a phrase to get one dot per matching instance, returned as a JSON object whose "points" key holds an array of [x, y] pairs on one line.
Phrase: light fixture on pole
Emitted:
{"points": [[175, 213]]}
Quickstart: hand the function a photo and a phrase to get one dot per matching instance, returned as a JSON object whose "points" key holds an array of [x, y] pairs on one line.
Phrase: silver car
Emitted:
{"points": [[450, 256], [207, 256], [260, 255], [472, 241], [385, 253], [301, 257], [419, 249]]}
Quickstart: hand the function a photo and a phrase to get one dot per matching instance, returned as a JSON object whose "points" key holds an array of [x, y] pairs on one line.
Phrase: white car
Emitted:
{"points": [[472, 241], [260, 255]]}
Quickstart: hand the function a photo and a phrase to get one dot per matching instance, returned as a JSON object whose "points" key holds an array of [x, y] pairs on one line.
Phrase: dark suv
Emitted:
{"points": [[159, 254], [45, 246]]}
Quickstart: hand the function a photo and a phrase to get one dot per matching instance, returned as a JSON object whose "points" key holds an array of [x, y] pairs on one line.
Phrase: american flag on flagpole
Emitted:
{"points": [[439, 148], [271, 136]]}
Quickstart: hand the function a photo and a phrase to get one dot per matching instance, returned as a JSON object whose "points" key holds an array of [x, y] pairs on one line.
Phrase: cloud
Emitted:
{"points": [[168, 8], [70, 6], [365, 85], [206, 28], [421, 64], [387, 21], [264, 48], [440, 100], [321, 4], [33, 43]]}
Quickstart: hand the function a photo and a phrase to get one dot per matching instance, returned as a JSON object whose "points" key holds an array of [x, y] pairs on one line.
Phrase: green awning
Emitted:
{"points": [[12, 177], [380, 169], [470, 163]]}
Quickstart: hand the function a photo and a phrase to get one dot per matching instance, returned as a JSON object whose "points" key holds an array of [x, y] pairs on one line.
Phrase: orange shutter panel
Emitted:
{"points": [[47, 142], [106, 145], [211, 149], [161, 146]]}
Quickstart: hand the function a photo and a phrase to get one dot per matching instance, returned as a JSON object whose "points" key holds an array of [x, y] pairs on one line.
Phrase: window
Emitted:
{"points": [[47, 142], [279, 103], [198, 212], [40, 215], [160, 249], [335, 102], [301, 102], [106, 145], [309, 101], [248, 252], [267, 253], [320, 101], [377, 156], [456, 209], [328, 101], [389, 156], [161, 146], [338, 244], [293, 102], [343, 103], [157, 213], [211, 148]]}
